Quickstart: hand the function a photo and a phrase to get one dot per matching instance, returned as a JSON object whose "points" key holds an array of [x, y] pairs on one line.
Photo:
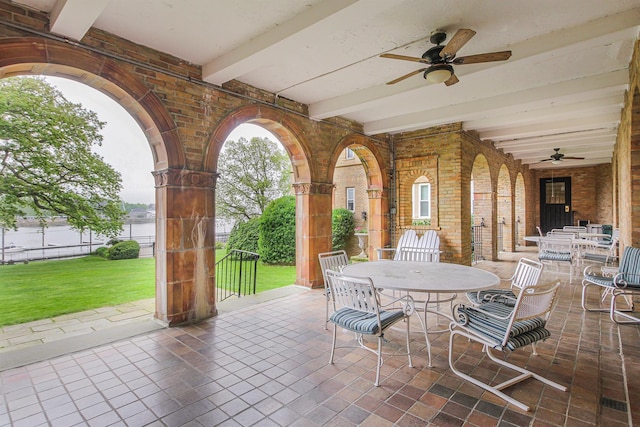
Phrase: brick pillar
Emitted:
{"points": [[378, 221], [185, 240], [313, 230]]}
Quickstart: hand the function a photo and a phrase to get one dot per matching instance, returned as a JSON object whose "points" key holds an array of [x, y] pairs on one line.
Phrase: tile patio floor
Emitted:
{"points": [[266, 365]]}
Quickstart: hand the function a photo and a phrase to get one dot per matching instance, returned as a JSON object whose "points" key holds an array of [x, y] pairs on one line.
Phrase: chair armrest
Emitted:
{"points": [[479, 310], [407, 302], [382, 251]]}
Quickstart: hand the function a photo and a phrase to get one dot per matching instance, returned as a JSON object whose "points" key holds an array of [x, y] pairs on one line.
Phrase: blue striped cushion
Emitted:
{"points": [[362, 322], [630, 267], [600, 280], [522, 331], [554, 256]]}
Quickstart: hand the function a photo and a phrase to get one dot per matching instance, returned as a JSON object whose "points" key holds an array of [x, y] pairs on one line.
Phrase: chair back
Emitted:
{"points": [[579, 229], [527, 273], [408, 239], [629, 270], [356, 293], [563, 234], [539, 231], [427, 249], [334, 260]]}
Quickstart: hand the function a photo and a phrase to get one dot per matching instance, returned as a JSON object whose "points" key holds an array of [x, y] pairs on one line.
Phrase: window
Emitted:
{"points": [[421, 200], [349, 154], [351, 199]]}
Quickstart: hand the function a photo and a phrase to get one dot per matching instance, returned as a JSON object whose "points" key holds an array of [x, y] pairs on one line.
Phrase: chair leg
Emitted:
{"points": [[377, 383], [615, 313], [326, 314], [585, 286], [333, 344], [524, 374], [407, 320]]}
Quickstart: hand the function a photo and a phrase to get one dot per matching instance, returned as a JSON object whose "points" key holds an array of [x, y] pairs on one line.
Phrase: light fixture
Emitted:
{"points": [[438, 73], [556, 162]]}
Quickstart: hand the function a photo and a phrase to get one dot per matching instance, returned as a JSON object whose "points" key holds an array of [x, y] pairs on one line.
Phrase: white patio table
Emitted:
{"points": [[426, 277]]}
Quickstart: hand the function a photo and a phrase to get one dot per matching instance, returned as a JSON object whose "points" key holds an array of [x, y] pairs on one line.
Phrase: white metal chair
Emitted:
{"points": [[623, 281], [607, 255], [408, 239], [527, 274], [334, 260], [357, 308], [557, 250], [502, 328]]}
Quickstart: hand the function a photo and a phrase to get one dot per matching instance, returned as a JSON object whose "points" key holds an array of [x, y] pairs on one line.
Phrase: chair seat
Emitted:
{"points": [[490, 295], [555, 256], [364, 323], [523, 332], [607, 282]]}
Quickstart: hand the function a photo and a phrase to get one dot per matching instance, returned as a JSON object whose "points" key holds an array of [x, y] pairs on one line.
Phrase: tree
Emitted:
{"points": [[46, 162], [252, 174]]}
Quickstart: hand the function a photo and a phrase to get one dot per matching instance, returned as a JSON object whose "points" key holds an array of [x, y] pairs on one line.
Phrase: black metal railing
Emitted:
{"points": [[500, 236], [476, 242], [236, 274]]}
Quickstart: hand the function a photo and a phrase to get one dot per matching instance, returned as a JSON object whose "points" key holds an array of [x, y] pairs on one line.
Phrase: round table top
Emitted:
{"points": [[412, 276]]}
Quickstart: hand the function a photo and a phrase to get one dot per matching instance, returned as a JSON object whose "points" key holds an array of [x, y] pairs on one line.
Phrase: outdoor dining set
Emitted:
{"points": [[368, 298]]}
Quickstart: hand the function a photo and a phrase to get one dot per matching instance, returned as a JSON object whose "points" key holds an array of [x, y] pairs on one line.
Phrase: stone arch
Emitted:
{"points": [[369, 155], [504, 211], [482, 208], [39, 56], [273, 120], [520, 209], [35, 56], [310, 196]]}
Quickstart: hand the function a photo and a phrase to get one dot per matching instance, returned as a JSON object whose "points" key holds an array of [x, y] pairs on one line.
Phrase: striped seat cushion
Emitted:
{"points": [[607, 282], [523, 332], [363, 322], [554, 256]]}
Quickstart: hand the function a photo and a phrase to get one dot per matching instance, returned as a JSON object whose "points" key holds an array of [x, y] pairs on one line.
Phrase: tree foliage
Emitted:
{"points": [[277, 242], [252, 174], [342, 226], [46, 162]]}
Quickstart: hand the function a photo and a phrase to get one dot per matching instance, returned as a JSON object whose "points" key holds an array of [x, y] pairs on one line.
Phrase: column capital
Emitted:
{"points": [[313, 188], [376, 193], [184, 178]]}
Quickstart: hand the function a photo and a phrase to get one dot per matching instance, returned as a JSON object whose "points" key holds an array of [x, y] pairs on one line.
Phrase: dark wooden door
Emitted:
{"points": [[555, 203]]}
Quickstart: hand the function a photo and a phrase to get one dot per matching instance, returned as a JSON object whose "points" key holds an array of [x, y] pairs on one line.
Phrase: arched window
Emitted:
{"points": [[421, 198]]}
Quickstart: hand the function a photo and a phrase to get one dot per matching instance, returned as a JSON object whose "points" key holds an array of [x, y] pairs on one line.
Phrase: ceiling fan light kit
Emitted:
{"points": [[438, 73], [441, 58]]}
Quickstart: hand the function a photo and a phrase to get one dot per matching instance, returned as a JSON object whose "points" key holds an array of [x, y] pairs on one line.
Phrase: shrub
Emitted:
{"points": [[102, 251], [277, 242], [244, 235], [342, 226], [124, 250]]}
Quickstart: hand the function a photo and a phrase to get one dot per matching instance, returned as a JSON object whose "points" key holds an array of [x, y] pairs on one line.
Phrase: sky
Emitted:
{"points": [[124, 145]]}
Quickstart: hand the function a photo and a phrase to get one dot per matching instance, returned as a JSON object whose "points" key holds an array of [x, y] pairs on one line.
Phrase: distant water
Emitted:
{"points": [[63, 235]]}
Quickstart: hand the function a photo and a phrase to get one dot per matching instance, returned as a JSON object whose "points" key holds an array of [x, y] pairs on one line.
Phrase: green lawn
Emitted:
{"points": [[40, 290]]}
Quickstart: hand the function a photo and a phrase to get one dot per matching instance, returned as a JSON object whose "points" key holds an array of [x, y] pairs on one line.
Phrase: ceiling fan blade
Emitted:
{"points": [[460, 38], [406, 76], [452, 80], [545, 160], [402, 57], [573, 158], [483, 57]]}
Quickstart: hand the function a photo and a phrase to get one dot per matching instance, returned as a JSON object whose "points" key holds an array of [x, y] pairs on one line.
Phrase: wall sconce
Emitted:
{"points": [[364, 215]]}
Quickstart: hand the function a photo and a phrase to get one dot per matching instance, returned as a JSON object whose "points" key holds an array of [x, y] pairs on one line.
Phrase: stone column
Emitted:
{"points": [[185, 239], [313, 230]]}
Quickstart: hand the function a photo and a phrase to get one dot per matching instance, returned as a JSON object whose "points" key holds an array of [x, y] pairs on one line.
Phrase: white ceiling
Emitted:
{"points": [[562, 88]]}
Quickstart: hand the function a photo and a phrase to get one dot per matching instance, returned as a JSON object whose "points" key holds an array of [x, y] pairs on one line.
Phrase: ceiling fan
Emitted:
{"points": [[557, 157], [441, 59]]}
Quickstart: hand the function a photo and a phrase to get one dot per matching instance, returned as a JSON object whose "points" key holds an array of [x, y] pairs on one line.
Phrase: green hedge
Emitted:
{"points": [[277, 242], [244, 236], [342, 226], [124, 250]]}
